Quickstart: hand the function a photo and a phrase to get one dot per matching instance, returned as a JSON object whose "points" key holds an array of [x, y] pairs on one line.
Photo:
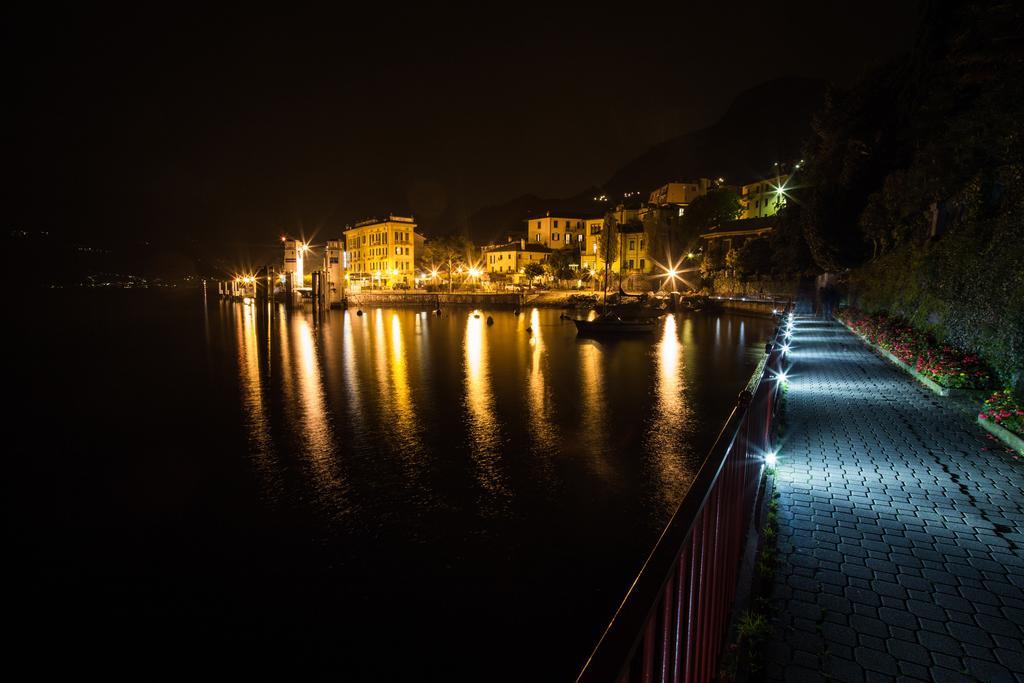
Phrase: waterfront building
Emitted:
{"points": [[764, 197], [510, 259], [590, 253], [381, 252], [556, 232], [294, 255], [334, 272], [631, 259]]}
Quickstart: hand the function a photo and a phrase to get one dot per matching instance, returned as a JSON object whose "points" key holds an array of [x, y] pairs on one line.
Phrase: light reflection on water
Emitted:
{"points": [[484, 429], [494, 490], [592, 399], [257, 422], [672, 411], [541, 404], [576, 396]]}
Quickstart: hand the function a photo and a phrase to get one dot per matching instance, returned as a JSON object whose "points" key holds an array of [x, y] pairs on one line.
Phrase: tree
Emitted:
{"points": [[608, 246], [533, 270], [791, 255], [448, 252], [714, 208], [755, 257], [913, 184], [559, 261]]}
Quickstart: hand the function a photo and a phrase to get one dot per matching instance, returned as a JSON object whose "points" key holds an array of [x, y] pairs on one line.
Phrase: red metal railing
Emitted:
{"points": [[671, 624]]}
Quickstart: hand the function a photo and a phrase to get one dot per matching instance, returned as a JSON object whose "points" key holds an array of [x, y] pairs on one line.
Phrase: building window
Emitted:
{"points": [[630, 264], [556, 224], [538, 237], [641, 246], [632, 246], [641, 264], [554, 236]]}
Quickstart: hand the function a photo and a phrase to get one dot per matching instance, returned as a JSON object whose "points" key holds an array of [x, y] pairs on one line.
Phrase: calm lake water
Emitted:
{"points": [[394, 495]]}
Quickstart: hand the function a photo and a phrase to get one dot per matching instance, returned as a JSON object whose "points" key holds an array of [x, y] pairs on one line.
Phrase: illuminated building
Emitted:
{"points": [[510, 258], [556, 232], [590, 254], [294, 252], [631, 251], [334, 272], [381, 253], [763, 197], [681, 194]]}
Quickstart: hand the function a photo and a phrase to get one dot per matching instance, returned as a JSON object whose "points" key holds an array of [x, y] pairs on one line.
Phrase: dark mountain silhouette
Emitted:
{"points": [[494, 222], [765, 124]]}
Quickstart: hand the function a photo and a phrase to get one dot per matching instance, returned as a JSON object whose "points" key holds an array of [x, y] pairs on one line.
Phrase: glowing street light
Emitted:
{"points": [[771, 459]]}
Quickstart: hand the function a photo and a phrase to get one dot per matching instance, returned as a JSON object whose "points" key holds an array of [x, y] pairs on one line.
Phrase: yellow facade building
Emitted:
{"points": [[381, 253], [590, 254], [764, 197], [556, 232], [509, 259], [631, 250]]}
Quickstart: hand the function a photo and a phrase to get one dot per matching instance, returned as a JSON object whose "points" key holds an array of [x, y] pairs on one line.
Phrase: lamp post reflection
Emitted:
{"points": [[485, 431], [394, 388], [592, 395], [304, 391], [671, 415], [540, 406], [257, 422]]}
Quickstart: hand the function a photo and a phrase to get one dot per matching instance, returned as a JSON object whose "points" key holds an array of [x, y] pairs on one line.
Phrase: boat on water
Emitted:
{"points": [[616, 323], [626, 314]]}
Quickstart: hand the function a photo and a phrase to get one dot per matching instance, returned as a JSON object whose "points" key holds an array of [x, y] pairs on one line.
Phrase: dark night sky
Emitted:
{"points": [[229, 127]]}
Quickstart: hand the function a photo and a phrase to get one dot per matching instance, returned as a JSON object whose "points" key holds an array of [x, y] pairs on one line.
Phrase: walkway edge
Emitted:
{"points": [[1003, 434], [973, 394]]}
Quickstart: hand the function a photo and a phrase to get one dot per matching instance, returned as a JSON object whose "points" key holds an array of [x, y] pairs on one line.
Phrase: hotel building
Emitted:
{"points": [[381, 253]]}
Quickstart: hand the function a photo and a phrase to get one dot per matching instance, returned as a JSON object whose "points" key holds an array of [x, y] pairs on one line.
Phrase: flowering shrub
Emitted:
{"points": [[941, 363], [1005, 410]]}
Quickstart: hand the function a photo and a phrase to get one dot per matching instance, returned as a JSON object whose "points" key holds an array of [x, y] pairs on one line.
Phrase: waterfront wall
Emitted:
{"points": [[765, 308], [429, 299]]}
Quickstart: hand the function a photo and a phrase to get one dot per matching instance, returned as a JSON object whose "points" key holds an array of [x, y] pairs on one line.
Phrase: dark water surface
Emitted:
{"points": [[389, 496]]}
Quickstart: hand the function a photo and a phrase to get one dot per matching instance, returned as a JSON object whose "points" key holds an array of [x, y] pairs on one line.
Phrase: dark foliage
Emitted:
{"points": [[914, 180], [711, 209]]}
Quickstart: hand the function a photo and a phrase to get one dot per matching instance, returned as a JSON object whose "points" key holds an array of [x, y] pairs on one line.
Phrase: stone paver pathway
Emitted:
{"points": [[901, 528]]}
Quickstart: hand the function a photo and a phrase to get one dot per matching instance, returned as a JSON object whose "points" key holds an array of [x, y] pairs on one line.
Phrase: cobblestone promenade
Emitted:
{"points": [[901, 528]]}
